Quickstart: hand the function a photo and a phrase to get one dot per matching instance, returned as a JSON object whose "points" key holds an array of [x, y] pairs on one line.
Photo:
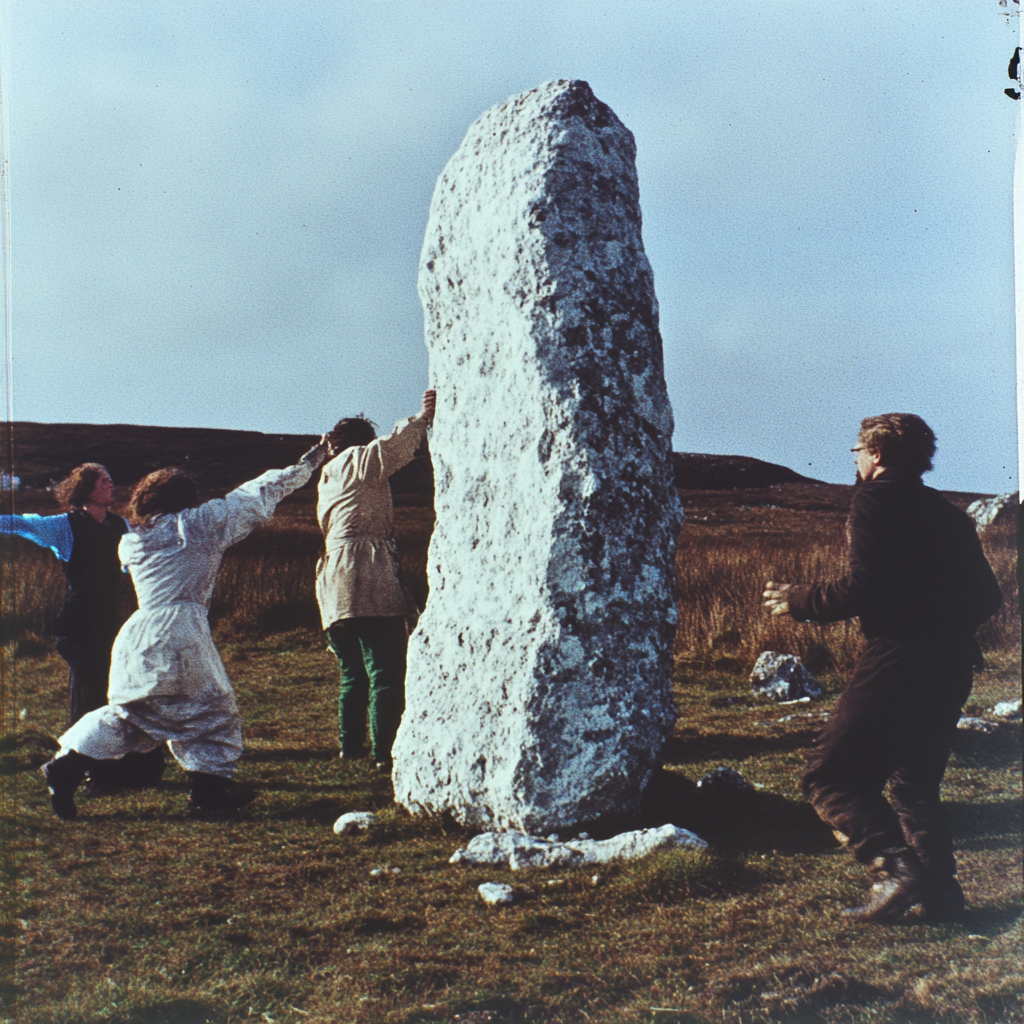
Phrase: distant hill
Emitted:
{"points": [[222, 459], [729, 472]]}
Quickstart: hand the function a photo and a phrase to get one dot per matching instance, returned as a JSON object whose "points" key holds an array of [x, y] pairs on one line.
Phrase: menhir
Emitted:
{"points": [[539, 682]]}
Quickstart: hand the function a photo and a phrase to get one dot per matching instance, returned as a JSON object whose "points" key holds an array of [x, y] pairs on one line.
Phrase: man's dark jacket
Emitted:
{"points": [[917, 569]]}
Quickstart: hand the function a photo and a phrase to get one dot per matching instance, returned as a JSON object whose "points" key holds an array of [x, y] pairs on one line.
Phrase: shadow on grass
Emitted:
{"points": [[988, 750], [292, 754], [986, 826], [745, 822], [691, 746], [174, 1011]]}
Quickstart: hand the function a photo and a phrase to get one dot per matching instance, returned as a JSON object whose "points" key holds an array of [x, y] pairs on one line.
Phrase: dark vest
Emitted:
{"points": [[94, 574]]}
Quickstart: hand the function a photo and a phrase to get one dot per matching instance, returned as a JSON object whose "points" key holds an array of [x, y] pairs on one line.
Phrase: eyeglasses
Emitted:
{"points": [[860, 448]]}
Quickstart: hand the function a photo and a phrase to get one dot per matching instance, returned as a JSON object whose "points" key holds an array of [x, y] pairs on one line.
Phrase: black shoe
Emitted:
{"points": [[941, 901], [385, 766], [897, 885], [214, 794], [63, 774]]}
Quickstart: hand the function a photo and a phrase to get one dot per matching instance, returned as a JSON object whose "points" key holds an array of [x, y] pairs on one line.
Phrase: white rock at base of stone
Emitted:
{"points": [[1007, 709], [521, 851], [538, 689], [971, 724], [985, 511], [782, 678], [496, 893], [354, 821]]}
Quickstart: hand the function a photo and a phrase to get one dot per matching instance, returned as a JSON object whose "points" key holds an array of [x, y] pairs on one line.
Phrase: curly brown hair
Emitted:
{"points": [[166, 490], [902, 440], [74, 490]]}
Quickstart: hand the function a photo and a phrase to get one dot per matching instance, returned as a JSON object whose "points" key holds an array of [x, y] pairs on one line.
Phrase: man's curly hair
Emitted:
{"points": [[902, 440]]}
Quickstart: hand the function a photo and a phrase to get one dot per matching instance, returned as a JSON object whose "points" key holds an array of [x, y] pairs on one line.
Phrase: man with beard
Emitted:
{"points": [[920, 584]]}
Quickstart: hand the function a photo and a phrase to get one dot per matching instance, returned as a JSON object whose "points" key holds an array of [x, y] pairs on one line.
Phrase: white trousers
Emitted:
{"points": [[202, 735]]}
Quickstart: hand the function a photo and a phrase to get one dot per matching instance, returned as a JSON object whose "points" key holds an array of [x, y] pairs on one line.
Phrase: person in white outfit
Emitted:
{"points": [[167, 682]]}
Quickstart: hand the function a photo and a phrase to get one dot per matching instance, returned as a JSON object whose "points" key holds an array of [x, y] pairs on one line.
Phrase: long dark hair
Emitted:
{"points": [[74, 490], [166, 490]]}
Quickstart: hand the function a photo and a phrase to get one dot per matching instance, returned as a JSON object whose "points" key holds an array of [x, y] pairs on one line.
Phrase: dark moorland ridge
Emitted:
{"points": [[222, 459]]}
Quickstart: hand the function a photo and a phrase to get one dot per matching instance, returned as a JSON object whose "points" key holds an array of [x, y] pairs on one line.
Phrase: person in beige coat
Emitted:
{"points": [[364, 605]]}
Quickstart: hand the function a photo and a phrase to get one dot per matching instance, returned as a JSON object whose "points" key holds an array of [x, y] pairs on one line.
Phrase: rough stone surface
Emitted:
{"points": [[496, 893], [354, 821], [538, 691], [520, 851], [782, 678], [985, 511]]}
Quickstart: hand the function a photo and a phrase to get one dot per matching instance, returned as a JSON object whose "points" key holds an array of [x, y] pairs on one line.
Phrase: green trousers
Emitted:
{"points": [[371, 653]]}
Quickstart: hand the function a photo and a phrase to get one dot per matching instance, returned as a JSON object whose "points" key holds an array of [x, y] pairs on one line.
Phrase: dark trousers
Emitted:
{"points": [[88, 673], [371, 654], [88, 677], [894, 723]]}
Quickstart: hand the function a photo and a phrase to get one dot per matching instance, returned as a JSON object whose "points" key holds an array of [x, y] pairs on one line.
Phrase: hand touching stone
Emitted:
{"points": [[429, 404]]}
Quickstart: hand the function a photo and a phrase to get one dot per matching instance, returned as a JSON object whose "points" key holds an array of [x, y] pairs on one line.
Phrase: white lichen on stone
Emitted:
{"points": [[539, 677]]}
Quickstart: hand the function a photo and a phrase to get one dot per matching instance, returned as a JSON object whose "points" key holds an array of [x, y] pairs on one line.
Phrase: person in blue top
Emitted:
{"points": [[85, 540]]}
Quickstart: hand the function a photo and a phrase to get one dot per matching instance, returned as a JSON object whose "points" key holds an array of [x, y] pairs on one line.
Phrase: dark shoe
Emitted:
{"points": [[133, 771], [213, 794], [941, 901], [63, 774], [897, 884], [352, 754], [384, 767]]}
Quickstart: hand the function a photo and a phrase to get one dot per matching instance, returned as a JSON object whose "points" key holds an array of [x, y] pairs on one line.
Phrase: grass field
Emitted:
{"points": [[136, 913]]}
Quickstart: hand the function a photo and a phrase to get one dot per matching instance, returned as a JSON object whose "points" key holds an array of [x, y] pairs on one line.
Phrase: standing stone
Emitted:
{"points": [[538, 691]]}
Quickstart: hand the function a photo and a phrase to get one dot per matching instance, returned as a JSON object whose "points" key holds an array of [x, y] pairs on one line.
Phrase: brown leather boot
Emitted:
{"points": [[896, 883]]}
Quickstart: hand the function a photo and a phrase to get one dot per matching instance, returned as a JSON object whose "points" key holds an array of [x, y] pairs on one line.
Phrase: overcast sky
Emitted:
{"points": [[217, 208]]}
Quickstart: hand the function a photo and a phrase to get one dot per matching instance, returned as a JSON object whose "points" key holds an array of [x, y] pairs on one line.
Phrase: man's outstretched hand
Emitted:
{"points": [[776, 597]]}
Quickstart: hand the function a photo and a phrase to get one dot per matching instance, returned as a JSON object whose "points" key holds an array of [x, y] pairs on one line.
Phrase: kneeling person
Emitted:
{"points": [[364, 604], [167, 682]]}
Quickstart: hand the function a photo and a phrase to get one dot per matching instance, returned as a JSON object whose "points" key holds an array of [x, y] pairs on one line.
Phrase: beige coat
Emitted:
{"points": [[359, 573]]}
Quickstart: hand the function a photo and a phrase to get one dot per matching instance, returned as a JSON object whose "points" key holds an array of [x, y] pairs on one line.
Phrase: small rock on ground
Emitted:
{"points": [[782, 678], [969, 724], [354, 821], [496, 893], [1007, 709], [522, 851]]}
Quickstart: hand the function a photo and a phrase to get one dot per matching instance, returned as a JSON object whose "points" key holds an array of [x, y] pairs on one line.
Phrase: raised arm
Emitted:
{"points": [[53, 532], [387, 455], [225, 521]]}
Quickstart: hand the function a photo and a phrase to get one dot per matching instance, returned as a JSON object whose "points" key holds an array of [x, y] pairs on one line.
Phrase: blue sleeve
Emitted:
{"points": [[53, 532]]}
